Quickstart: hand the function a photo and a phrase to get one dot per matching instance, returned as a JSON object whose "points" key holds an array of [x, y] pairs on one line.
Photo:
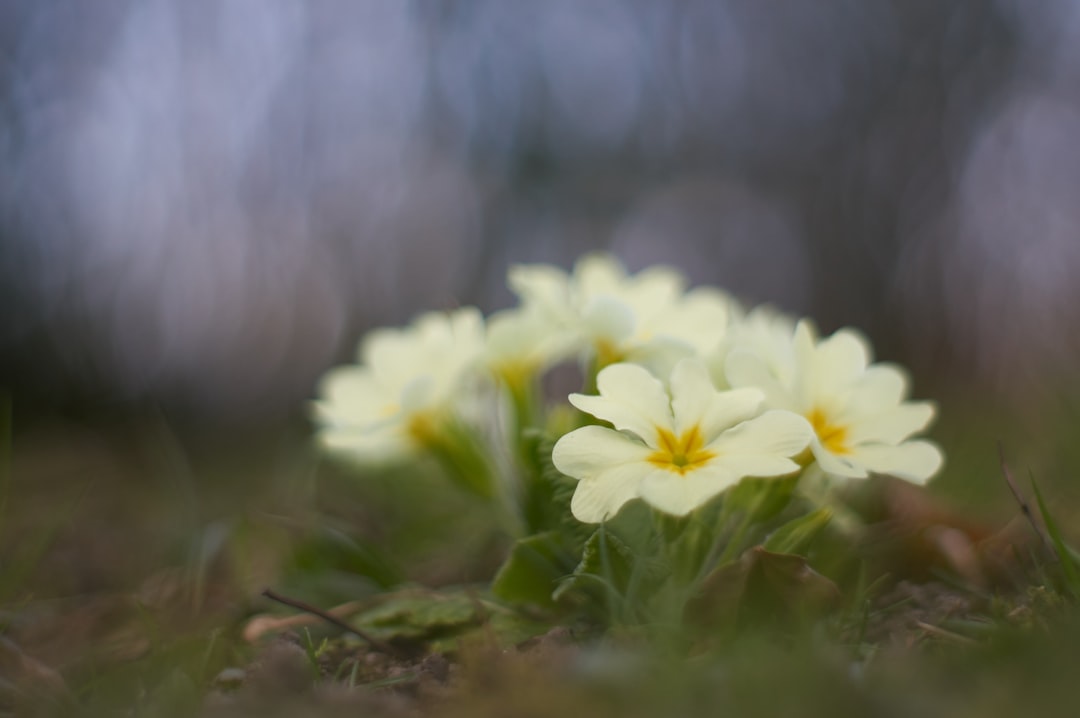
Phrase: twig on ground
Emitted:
{"points": [[381, 646]]}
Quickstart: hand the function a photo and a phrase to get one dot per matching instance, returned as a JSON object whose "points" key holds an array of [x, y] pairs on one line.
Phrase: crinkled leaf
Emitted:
{"points": [[606, 562], [421, 615], [796, 535], [532, 571], [441, 620]]}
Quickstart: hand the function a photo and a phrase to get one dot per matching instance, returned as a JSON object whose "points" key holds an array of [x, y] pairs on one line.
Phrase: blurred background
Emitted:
{"points": [[203, 205]]}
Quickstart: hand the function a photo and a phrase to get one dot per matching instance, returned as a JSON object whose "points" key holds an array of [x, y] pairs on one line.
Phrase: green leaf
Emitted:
{"points": [[533, 570], [634, 526], [760, 499], [611, 572], [441, 620], [421, 615], [1066, 556], [796, 535]]}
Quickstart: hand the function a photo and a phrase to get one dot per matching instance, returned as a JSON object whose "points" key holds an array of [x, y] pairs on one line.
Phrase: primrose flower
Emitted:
{"points": [[522, 343], [675, 448], [407, 380], [646, 317], [861, 419]]}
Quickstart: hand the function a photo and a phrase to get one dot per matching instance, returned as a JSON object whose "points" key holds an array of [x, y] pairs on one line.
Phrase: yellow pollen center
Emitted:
{"points": [[680, 454], [832, 436]]}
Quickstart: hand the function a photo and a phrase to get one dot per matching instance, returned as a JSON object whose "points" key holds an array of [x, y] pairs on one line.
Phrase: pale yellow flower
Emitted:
{"points": [[675, 447], [862, 421], [407, 379], [523, 343], [646, 318]]}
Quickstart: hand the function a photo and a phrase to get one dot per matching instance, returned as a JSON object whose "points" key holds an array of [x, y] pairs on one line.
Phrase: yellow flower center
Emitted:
{"points": [[422, 429], [680, 454], [606, 354], [832, 436]]}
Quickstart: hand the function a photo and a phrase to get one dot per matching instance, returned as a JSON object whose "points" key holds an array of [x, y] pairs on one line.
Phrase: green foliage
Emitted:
{"points": [[533, 570], [762, 586], [421, 614], [759, 499], [441, 620], [330, 558], [1067, 558], [604, 573], [796, 535], [548, 496]]}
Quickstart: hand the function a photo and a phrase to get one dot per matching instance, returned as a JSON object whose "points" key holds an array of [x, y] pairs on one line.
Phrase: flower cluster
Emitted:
{"points": [[687, 392]]}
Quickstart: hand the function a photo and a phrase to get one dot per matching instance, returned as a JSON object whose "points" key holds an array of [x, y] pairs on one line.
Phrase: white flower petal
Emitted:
{"points": [[526, 340], [881, 387], [691, 393], [659, 355], [746, 369], [419, 394], [698, 320], [590, 449], [542, 286], [631, 399], [768, 334], [835, 464], [804, 343], [600, 497], [777, 433], [892, 425], [598, 273], [678, 495], [835, 365], [729, 408], [353, 395], [763, 465], [390, 355], [386, 445], [651, 291], [607, 319], [914, 461], [696, 403]]}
